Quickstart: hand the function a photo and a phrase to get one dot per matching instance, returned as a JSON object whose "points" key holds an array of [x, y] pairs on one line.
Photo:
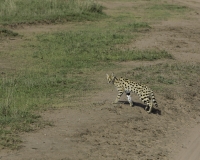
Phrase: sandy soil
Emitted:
{"points": [[97, 129]]}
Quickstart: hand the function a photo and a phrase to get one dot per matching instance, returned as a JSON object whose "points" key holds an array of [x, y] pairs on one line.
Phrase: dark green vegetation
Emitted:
{"points": [[7, 33], [51, 67], [20, 11]]}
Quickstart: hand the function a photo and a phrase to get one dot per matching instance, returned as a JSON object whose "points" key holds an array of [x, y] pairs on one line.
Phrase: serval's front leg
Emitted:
{"points": [[129, 98], [118, 97]]}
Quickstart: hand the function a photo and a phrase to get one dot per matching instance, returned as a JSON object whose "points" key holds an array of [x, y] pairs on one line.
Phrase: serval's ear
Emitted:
{"points": [[107, 75], [112, 74]]}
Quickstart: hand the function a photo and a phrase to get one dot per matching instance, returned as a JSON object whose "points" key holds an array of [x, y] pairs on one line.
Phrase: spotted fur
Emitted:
{"points": [[125, 85]]}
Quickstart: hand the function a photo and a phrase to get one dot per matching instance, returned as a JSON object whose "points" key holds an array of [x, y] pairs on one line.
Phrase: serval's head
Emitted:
{"points": [[110, 78]]}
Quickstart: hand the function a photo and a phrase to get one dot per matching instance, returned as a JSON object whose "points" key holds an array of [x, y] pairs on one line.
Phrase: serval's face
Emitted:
{"points": [[110, 78]]}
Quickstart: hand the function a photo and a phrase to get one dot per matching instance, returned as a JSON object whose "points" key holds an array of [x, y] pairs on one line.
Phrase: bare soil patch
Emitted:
{"points": [[96, 129]]}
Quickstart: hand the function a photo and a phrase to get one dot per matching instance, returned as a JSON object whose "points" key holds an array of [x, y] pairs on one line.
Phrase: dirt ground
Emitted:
{"points": [[101, 130]]}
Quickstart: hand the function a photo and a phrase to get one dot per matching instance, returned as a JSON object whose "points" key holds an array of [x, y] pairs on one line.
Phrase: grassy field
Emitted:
{"points": [[56, 64], [167, 76]]}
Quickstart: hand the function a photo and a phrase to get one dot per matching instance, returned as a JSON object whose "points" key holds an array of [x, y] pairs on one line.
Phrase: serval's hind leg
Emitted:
{"points": [[150, 105]]}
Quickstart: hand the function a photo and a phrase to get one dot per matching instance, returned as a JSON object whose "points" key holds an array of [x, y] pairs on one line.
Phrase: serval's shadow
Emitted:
{"points": [[154, 110]]}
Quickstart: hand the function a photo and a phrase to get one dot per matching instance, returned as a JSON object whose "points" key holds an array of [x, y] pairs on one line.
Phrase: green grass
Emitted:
{"points": [[131, 55], [20, 11], [90, 47], [165, 10], [17, 109]]}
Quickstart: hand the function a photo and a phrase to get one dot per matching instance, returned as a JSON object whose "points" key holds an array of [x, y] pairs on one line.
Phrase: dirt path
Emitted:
{"points": [[191, 146], [97, 129]]}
